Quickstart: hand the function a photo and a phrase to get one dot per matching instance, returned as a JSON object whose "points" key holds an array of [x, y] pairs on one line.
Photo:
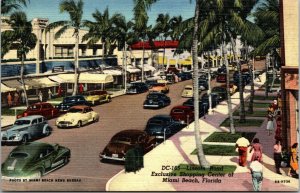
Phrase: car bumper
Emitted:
{"points": [[151, 106], [187, 95], [112, 158], [65, 125]]}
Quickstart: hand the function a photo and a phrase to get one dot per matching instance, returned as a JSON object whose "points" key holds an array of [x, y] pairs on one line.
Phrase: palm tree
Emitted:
{"points": [[22, 36], [101, 29], [75, 10], [163, 27], [200, 153], [7, 6], [141, 19]]}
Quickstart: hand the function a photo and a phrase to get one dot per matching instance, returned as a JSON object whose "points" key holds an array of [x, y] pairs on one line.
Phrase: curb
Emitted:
{"points": [[111, 179]]}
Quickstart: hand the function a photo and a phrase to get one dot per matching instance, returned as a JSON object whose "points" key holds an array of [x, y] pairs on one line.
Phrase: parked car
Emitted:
{"points": [[71, 101], [25, 129], [245, 77], [159, 87], [203, 84], [45, 109], [137, 87], [163, 126], [214, 99], [221, 91], [150, 83], [187, 91], [171, 70], [121, 142], [33, 160], [221, 77], [203, 106], [156, 100], [184, 76], [233, 88], [170, 78], [183, 114], [97, 96], [77, 116]]}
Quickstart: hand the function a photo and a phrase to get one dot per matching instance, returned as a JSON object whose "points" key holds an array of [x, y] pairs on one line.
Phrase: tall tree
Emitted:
{"points": [[141, 19], [163, 27], [101, 29], [7, 6], [200, 153], [23, 38], [75, 10]]}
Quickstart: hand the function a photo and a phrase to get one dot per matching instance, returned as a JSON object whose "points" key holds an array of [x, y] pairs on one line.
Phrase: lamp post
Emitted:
{"points": [[210, 112]]}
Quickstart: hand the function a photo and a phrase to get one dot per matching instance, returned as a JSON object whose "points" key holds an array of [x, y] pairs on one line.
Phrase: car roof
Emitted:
{"points": [[133, 133], [161, 117], [31, 148], [76, 96], [188, 86], [79, 107], [181, 107], [40, 103], [30, 117], [156, 93]]}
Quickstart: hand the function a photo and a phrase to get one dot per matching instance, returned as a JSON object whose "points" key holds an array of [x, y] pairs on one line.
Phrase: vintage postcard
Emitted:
{"points": [[149, 95]]}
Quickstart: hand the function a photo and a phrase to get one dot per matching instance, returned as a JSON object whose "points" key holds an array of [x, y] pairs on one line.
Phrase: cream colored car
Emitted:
{"points": [[97, 97], [77, 116], [187, 91]]}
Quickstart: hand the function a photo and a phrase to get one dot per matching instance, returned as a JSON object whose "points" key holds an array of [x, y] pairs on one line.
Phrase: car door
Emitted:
{"points": [[49, 158], [47, 111], [87, 113], [33, 128]]}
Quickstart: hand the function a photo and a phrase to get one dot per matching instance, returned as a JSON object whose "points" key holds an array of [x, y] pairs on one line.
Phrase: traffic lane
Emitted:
{"points": [[124, 112]]}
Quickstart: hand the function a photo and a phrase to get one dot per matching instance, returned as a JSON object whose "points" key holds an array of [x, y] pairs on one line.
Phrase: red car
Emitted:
{"points": [[221, 77], [184, 114], [45, 109]]}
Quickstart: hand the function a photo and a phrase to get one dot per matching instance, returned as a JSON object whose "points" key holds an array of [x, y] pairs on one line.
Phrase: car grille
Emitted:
{"points": [[64, 122], [4, 138]]}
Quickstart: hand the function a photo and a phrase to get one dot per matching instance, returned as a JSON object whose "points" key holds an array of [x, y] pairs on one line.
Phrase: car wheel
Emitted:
{"points": [[66, 160], [79, 124], [95, 120], [109, 100], [25, 139], [47, 131], [37, 175]]}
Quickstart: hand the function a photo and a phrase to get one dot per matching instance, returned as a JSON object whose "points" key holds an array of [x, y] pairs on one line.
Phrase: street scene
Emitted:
{"points": [[141, 96]]}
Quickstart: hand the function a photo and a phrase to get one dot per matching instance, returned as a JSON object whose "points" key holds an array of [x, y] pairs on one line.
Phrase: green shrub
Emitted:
{"points": [[227, 137]]}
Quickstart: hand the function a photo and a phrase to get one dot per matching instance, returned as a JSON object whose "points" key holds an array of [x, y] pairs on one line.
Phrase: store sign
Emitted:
{"points": [[291, 81]]}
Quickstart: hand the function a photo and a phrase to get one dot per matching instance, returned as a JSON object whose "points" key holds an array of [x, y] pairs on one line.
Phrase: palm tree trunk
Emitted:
{"points": [[103, 53], [200, 153], [76, 76], [232, 129], [251, 68], [164, 54], [22, 79], [241, 88]]}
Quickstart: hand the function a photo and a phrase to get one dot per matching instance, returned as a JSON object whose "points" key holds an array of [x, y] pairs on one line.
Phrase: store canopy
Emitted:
{"points": [[14, 84], [147, 68], [185, 62], [5, 88], [45, 82], [160, 60], [83, 78], [172, 62], [132, 69], [113, 72]]}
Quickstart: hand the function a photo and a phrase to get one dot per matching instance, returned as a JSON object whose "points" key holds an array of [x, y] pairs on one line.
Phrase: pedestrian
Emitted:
{"points": [[257, 147], [40, 95], [85, 87], [59, 91], [23, 97], [256, 169], [81, 88], [278, 129], [9, 100], [275, 107], [16, 98], [270, 124], [293, 171], [242, 145], [49, 94], [277, 156]]}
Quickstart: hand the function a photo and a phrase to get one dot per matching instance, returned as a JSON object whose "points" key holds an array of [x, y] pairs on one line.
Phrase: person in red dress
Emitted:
{"points": [[256, 147], [81, 88]]}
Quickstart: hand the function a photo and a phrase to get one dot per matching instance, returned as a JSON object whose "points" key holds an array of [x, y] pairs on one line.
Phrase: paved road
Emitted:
{"points": [[124, 112]]}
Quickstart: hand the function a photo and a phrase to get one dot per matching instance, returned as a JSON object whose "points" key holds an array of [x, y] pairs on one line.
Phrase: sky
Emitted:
{"points": [[50, 9]]}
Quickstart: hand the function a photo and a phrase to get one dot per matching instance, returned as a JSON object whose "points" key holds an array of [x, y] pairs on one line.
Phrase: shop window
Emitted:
{"points": [[63, 51]]}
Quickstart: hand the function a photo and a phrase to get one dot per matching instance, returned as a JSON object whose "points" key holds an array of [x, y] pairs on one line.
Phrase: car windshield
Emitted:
{"points": [[159, 84], [152, 96], [156, 122], [34, 107], [68, 100], [188, 88], [178, 111], [74, 110], [124, 140], [22, 122], [217, 89], [18, 155]]}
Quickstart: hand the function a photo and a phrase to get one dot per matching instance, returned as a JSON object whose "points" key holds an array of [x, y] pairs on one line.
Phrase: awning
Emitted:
{"points": [[112, 72], [185, 62], [172, 61], [83, 78], [132, 69], [32, 83], [45, 82], [14, 84], [5, 88], [147, 67]]}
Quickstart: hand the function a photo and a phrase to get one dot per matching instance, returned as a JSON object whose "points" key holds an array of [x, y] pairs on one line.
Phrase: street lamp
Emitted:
{"points": [[210, 111]]}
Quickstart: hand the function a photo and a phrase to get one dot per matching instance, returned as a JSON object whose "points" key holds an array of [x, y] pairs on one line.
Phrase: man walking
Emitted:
{"points": [[242, 144], [256, 169]]}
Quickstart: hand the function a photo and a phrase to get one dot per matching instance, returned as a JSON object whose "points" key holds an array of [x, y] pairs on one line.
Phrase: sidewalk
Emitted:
{"points": [[177, 150], [9, 120]]}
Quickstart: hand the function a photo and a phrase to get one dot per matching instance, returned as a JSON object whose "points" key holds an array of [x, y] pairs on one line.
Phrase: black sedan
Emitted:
{"points": [[156, 100], [71, 101], [214, 99], [203, 106], [163, 126], [203, 84], [221, 91], [137, 87], [185, 76]]}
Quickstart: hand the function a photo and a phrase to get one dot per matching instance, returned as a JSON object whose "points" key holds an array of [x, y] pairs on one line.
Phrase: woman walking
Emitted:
{"points": [[277, 156], [257, 147], [256, 169], [270, 124]]}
